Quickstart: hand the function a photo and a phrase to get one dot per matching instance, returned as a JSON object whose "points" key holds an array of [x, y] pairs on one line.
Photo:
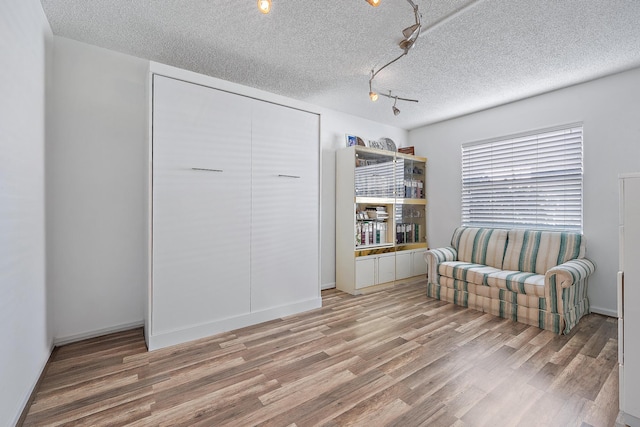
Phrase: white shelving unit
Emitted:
{"points": [[380, 218]]}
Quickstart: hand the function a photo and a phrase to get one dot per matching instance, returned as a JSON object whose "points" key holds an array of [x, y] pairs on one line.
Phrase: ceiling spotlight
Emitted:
{"points": [[374, 3], [406, 45], [395, 109], [264, 6], [372, 94], [411, 31]]}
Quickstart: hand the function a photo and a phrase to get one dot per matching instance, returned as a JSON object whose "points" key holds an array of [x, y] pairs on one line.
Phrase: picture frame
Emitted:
{"points": [[352, 140]]}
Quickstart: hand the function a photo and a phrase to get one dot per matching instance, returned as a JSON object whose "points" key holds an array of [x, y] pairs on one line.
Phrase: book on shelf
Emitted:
{"points": [[371, 233], [407, 233]]}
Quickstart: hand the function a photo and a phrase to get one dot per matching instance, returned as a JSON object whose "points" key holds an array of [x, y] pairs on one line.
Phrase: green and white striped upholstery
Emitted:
{"points": [[466, 271], [518, 282], [484, 246], [434, 257], [534, 277], [573, 271], [538, 251]]}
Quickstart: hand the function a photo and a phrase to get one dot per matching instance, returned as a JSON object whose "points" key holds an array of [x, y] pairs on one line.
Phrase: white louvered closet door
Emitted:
{"points": [[285, 191], [201, 205]]}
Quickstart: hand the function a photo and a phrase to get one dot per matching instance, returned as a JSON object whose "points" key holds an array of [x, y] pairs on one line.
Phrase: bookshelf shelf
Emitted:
{"points": [[380, 218]]}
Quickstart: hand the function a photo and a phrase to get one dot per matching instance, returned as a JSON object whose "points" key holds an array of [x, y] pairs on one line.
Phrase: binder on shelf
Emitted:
{"points": [[399, 233]]}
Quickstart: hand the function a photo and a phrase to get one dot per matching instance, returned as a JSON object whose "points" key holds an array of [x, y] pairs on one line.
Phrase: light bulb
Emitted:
{"points": [[264, 6], [373, 96], [374, 3]]}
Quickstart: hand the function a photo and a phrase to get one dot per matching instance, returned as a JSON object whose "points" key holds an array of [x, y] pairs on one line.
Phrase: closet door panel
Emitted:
{"points": [[201, 205], [630, 254], [284, 250]]}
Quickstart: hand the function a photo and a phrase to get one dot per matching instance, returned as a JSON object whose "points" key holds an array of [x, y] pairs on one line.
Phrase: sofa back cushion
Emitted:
{"points": [[538, 251], [480, 245]]}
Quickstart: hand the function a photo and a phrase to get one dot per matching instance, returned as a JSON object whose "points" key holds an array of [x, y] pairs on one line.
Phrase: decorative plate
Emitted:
{"points": [[388, 144]]}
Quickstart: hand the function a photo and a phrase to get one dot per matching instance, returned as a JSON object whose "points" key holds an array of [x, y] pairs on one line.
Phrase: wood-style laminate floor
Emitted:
{"points": [[393, 358]]}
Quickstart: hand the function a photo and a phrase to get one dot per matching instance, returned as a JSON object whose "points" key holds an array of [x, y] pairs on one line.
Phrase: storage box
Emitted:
{"points": [[406, 150]]}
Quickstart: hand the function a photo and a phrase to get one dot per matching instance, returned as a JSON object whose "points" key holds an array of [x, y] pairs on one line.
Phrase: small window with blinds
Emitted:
{"points": [[525, 181]]}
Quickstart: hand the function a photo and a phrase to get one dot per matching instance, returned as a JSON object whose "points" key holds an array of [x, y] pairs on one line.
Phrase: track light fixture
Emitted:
{"points": [[395, 98], [411, 35], [374, 3], [395, 109], [264, 6]]}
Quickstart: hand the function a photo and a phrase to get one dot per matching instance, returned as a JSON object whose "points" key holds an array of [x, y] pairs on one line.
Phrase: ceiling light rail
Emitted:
{"points": [[411, 35], [396, 98]]}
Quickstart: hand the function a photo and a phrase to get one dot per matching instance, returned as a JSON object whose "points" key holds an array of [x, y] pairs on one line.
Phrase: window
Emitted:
{"points": [[532, 181]]}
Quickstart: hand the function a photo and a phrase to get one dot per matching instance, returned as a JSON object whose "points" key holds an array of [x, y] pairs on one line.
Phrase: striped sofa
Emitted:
{"points": [[534, 277]]}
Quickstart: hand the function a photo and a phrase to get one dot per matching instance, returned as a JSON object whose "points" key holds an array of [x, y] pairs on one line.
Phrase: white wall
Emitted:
{"points": [[610, 110], [25, 37], [96, 190]]}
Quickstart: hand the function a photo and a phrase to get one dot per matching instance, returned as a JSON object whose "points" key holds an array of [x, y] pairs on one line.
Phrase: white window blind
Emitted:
{"points": [[528, 181]]}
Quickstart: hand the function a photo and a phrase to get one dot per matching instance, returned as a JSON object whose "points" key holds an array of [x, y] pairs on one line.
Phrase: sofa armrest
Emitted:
{"points": [[433, 257], [565, 287], [571, 272]]}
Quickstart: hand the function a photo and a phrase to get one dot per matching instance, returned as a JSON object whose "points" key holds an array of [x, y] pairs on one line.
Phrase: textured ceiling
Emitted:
{"points": [[472, 55]]}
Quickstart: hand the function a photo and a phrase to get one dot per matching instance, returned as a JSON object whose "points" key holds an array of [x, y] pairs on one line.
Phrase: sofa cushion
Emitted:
{"points": [[466, 271], [518, 282], [484, 246], [538, 251]]}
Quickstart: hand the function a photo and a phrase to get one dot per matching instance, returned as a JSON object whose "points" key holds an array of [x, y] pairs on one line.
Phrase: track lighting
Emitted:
{"points": [[410, 35], [395, 98], [264, 6]]}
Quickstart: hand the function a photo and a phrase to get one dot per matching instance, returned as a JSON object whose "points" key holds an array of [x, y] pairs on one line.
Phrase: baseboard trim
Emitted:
{"points": [[97, 333], [169, 338], [630, 420], [328, 286], [34, 390], [604, 311]]}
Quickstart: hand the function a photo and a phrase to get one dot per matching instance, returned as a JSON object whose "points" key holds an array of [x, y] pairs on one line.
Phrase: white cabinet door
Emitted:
{"points": [[418, 265], [386, 268], [284, 249], [201, 205], [403, 264], [365, 272]]}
